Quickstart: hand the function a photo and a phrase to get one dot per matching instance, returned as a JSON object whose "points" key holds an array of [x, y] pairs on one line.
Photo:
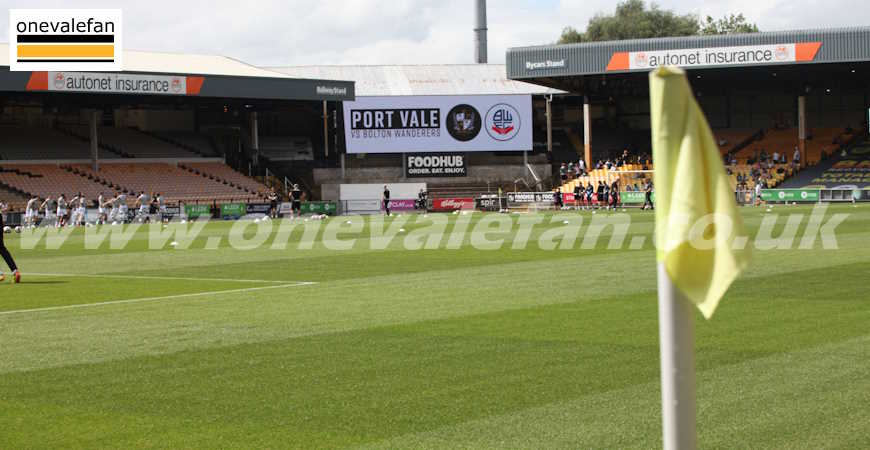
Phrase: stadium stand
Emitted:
{"points": [[224, 174], [15, 199], [729, 139], [27, 143], [175, 183], [634, 179], [819, 140], [46, 180], [133, 143], [187, 140], [286, 148]]}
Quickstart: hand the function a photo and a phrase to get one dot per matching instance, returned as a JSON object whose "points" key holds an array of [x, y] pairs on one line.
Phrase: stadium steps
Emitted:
{"points": [[297, 172], [15, 198], [101, 145], [576, 142], [174, 142], [807, 176], [218, 179], [97, 179]]}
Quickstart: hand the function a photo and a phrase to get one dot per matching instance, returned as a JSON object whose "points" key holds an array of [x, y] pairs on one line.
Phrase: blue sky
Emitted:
{"points": [[306, 32]]}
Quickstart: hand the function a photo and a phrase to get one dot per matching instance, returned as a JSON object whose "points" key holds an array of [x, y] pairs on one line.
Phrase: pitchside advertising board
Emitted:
{"points": [[435, 165], [790, 195], [409, 124]]}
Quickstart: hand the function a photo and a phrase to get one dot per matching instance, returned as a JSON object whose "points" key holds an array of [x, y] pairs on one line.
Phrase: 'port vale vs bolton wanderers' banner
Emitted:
{"points": [[438, 123]]}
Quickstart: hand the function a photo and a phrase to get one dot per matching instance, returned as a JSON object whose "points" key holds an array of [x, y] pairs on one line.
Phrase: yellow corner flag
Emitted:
{"points": [[696, 213]]}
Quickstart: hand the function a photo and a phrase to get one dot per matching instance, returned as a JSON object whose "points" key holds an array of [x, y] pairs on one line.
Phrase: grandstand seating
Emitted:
{"points": [[785, 140], [635, 179], [189, 140], [134, 143], [175, 183], [26, 143], [47, 180], [286, 148], [224, 174], [728, 138]]}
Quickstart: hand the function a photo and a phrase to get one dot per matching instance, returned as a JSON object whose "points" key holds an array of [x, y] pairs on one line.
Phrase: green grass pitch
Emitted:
{"points": [[450, 348]]}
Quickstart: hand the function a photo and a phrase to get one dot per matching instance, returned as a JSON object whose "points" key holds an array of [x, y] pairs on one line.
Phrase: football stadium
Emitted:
{"points": [[633, 243]]}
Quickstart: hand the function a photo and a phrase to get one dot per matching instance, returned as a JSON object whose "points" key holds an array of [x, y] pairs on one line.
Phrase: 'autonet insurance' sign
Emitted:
{"points": [[715, 56], [114, 83]]}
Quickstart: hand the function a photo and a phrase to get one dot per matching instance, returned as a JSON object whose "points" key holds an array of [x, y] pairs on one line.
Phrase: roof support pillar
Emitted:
{"points": [[802, 129], [325, 130], [587, 133], [94, 139], [549, 99], [255, 137]]}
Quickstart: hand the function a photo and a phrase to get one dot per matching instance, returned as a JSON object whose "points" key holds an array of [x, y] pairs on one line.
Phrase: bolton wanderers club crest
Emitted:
{"points": [[502, 122]]}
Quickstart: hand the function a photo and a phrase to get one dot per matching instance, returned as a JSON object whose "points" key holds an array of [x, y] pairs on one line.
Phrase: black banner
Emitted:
{"points": [[257, 208], [419, 165], [489, 203]]}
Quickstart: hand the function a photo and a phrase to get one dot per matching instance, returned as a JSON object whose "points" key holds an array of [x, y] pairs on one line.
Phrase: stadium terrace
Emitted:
{"points": [[68, 26]]}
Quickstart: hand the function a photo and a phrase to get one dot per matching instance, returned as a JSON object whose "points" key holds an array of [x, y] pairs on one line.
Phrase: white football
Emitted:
{"points": [[7, 229]]}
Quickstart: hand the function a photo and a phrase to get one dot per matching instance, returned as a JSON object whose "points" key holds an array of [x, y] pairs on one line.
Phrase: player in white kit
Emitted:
{"points": [[81, 211], [101, 209], [161, 207], [31, 212], [48, 206], [121, 201], [143, 201], [61, 211]]}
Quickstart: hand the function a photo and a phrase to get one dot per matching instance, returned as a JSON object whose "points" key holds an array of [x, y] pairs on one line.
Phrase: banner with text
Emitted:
{"points": [[114, 83], [790, 195], [438, 123], [715, 56], [435, 165]]}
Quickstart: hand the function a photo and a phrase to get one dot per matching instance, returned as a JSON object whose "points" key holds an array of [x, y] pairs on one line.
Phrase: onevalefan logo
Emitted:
{"points": [[65, 40]]}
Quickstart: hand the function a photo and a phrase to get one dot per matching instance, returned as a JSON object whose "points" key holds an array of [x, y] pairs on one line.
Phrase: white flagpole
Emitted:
{"points": [[677, 344]]}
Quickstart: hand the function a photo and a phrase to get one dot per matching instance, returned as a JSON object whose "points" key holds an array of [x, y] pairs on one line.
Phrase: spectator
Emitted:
{"points": [[797, 155], [563, 172], [775, 156], [582, 166]]}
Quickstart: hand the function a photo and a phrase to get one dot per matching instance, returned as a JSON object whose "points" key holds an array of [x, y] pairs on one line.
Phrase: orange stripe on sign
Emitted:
{"points": [[38, 81], [194, 85], [806, 51], [66, 51], [619, 61]]}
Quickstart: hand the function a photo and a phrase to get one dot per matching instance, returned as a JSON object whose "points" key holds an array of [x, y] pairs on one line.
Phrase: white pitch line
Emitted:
{"points": [[152, 299], [145, 277]]}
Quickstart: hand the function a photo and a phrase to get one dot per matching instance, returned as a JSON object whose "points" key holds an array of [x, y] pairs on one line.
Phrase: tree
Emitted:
{"points": [[728, 25], [633, 19]]}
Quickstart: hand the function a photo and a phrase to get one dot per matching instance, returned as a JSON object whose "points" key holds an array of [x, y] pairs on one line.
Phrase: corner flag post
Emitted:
{"points": [[676, 343], [693, 268]]}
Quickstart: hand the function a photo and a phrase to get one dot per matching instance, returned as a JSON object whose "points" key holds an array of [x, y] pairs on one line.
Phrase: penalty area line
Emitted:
{"points": [[154, 299]]}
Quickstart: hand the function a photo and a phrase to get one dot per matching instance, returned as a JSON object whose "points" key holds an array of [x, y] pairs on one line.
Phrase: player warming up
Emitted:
{"points": [[16, 276], [386, 200], [273, 203]]}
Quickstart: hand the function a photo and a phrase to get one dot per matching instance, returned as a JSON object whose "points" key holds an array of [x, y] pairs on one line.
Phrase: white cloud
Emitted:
{"points": [[302, 32]]}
